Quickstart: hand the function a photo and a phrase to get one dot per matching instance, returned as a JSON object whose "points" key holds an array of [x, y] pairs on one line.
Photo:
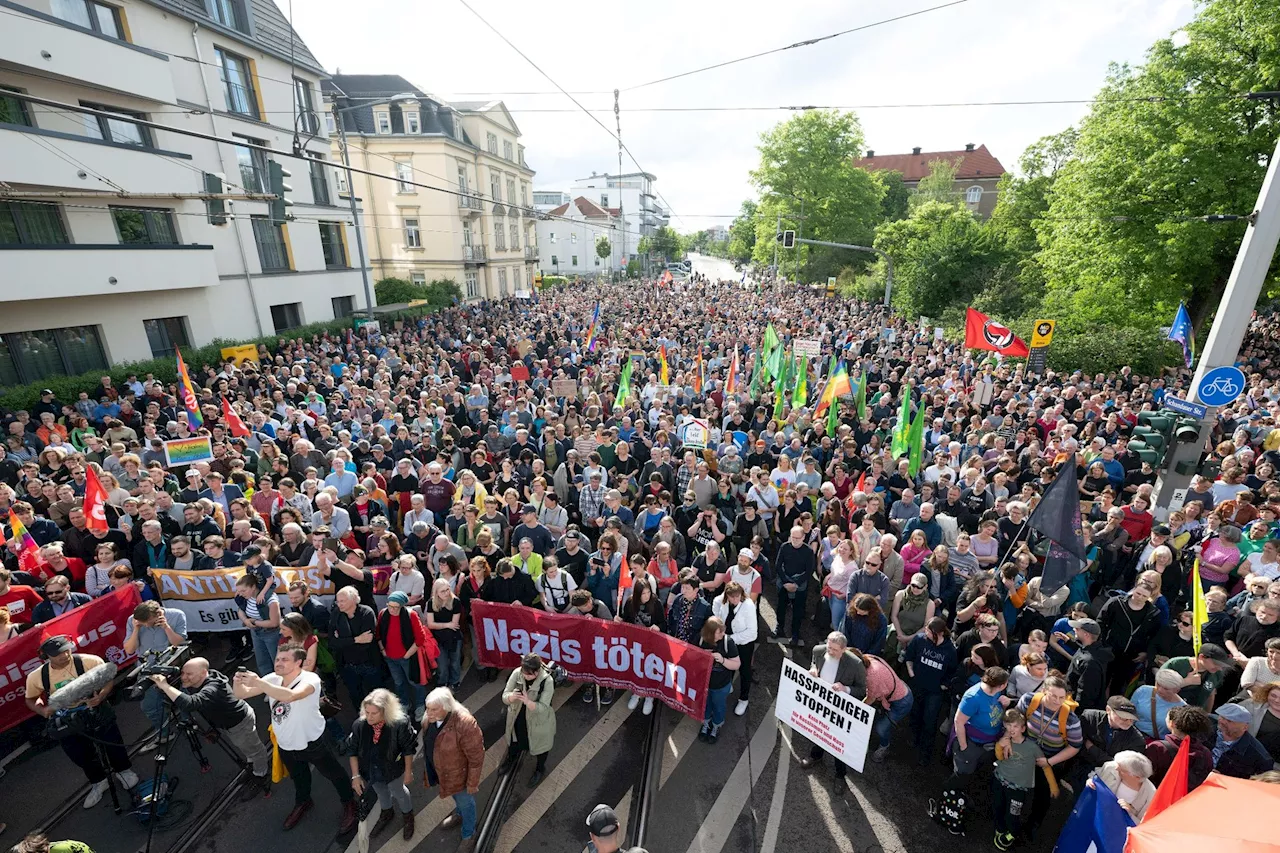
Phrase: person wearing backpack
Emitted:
{"points": [[1053, 724], [531, 721]]}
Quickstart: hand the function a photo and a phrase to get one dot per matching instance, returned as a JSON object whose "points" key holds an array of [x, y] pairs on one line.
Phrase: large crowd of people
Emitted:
{"points": [[487, 452]]}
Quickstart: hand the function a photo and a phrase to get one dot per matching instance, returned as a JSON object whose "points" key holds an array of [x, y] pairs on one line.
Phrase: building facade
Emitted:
{"points": [[112, 255], [545, 200], [978, 172], [479, 231], [568, 237], [633, 194]]}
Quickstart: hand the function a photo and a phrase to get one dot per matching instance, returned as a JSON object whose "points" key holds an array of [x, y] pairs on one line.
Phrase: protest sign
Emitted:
{"points": [[832, 719], [810, 348], [564, 388], [188, 451]]}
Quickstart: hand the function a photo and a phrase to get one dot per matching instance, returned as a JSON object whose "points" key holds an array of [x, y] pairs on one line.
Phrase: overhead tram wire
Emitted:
{"points": [[799, 44]]}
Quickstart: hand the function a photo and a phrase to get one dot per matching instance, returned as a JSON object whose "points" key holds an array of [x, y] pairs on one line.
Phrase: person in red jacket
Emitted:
{"points": [[1185, 722], [18, 599]]}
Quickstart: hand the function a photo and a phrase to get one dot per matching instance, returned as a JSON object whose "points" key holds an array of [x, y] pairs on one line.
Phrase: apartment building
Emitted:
{"points": [[454, 199], [633, 193], [111, 254], [569, 233]]}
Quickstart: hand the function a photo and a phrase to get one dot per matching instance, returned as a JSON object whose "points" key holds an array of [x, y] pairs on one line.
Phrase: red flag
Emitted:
{"points": [[95, 500], [1174, 785], [860, 486], [234, 425], [981, 332]]}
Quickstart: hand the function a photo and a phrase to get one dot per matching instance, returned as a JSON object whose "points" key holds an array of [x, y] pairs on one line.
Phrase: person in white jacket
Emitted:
{"points": [[738, 611]]}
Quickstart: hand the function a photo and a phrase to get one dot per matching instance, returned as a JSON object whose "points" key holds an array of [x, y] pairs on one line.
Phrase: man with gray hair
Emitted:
{"points": [[834, 663], [453, 755], [353, 640], [443, 548]]}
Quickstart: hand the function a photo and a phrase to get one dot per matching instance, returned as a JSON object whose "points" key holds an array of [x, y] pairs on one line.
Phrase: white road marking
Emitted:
{"points": [[769, 842], [719, 822], [886, 833]]}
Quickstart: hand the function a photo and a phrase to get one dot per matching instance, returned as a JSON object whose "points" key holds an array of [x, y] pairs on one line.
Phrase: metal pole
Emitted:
{"points": [[617, 117], [1229, 324], [777, 238], [355, 213], [799, 233], [888, 280]]}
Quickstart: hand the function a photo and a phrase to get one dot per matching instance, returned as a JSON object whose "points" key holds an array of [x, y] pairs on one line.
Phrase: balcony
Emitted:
{"points": [[469, 204], [33, 40], [137, 169], [530, 253], [60, 272], [474, 254]]}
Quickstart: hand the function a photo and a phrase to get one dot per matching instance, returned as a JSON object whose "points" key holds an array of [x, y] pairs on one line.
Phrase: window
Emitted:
{"points": [[230, 13], [404, 178], [330, 123], [499, 235], [120, 130], [511, 191], [253, 165], [343, 306], [383, 122], [32, 356], [287, 316], [412, 236], [604, 199], [165, 334], [495, 188], [552, 237], [145, 226], [555, 262], [514, 235], [340, 178], [307, 119], [332, 245], [462, 177], [412, 124], [597, 260], [13, 110], [29, 223], [466, 233], [91, 15], [524, 194], [418, 278], [573, 237], [502, 282], [237, 83], [575, 261], [508, 151], [973, 195], [473, 286], [319, 181], [491, 142], [273, 249]]}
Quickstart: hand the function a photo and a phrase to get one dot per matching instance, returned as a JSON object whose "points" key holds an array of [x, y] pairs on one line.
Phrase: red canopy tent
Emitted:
{"points": [[1223, 815]]}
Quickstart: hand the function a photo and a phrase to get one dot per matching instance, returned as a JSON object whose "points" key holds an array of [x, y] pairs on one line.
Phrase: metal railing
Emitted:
{"points": [[474, 253], [531, 253], [466, 201], [240, 99]]}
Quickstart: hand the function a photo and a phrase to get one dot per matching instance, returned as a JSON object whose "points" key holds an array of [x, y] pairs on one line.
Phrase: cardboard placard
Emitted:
{"points": [[519, 373], [811, 347], [188, 451], [566, 388]]}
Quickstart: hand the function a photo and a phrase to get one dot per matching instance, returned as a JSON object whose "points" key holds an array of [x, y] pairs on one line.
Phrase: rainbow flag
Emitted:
{"points": [[731, 382], [837, 386], [664, 372], [591, 329], [189, 400], [28, 551]]}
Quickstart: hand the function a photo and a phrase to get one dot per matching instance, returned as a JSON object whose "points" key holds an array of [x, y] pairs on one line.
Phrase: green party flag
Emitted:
{"points": [[773, 366], [833, 419], [862, 395], [899, 445], [624, 386], [780, 389], [756, 370], [770, 340], [800, 396], [915, 441]]}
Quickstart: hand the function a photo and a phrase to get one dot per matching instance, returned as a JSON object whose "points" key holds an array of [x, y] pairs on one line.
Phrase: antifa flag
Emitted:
{"points": [[1057, 518], [981, 332]]}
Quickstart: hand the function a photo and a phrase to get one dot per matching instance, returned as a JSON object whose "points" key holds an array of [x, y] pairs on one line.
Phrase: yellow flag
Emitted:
{"points": [[1199, 608]]}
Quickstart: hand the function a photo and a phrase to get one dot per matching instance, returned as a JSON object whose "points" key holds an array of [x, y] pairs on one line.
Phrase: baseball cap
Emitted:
{"points": [[55, 646], [46, 392], [1088, 625], [1160, 530], [919, 580], [251, 551], [1215, 653], [527, 508], [1123, 707], [602, 822], [1233, 713], [748, 553], [573, 534]]}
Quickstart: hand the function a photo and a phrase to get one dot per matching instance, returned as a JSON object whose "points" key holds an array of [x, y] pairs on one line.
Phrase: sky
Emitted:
{"points": [[973, 51]]}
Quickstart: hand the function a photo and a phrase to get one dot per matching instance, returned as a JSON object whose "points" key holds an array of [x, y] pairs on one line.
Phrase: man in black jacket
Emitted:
{"points": [[1087, 675], [1106, 733], [509, 586], [209, 692], [352, 633], [793, 567]]}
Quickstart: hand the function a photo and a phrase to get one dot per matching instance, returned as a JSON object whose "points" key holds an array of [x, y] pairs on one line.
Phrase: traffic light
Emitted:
{"points": [[1186, 431], [281, 203], [788, 239]]}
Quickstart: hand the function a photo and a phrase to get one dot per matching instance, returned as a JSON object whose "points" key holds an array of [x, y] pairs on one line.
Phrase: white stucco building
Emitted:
{"points": [[92, 278], [633, 192], [568, 241]]}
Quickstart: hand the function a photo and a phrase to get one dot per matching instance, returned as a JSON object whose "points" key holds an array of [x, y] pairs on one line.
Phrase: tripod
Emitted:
{"points": [[162, 786]]}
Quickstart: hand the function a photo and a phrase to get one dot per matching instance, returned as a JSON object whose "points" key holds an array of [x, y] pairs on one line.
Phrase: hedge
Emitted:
{"points": [[68, 388]]}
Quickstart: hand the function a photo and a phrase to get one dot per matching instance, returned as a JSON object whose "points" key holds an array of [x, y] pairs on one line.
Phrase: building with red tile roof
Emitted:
{"points": [[978, 172]]}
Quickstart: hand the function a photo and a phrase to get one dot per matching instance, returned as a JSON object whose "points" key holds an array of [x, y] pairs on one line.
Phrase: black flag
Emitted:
{"points": [[1057, 518]]}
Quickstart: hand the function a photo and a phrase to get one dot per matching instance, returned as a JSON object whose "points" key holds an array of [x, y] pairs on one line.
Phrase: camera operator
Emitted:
{"points": [[151, 632], [61, 667], [209, 692]]}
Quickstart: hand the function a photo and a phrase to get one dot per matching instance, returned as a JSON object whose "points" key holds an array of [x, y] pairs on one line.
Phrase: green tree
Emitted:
{"points": [[1164, 142], [392, 291], [603, 247], [938, 185], [808, 161], [897, 196], [443, 291], [742, 233], [663, 242]]}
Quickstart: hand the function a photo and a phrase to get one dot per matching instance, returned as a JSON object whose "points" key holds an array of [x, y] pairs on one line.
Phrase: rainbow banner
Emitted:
{"points": [[591, 330], [187, 391], [28, 551], [181, 452]]}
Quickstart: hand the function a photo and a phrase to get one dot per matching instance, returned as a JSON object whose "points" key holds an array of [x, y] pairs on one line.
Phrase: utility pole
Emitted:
{"points": [[1229, 326], [888, 261], [799, 233], [355, 214], [617, 118], [777, 238]]}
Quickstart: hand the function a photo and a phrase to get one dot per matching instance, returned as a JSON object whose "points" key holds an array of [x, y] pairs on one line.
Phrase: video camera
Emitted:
{"points": [[167, 663]]}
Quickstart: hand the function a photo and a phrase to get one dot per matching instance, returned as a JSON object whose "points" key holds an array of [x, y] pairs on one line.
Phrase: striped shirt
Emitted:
{"points": [[1042, 727]]}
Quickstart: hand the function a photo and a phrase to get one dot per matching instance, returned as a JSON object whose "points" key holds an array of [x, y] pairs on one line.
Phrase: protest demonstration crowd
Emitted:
{"points": [[723, 464]]}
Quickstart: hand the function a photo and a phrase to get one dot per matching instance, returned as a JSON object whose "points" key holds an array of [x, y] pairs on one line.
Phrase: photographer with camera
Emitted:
{"points": [[152, 632], [209, 692], [78, 728]]}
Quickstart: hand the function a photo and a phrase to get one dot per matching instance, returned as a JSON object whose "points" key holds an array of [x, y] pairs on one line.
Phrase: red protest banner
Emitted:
{"points": [[98, 629], [613, 654]]}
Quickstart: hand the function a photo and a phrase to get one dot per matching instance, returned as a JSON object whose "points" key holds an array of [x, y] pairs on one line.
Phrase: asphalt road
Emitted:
{"points": [[713, 268]]}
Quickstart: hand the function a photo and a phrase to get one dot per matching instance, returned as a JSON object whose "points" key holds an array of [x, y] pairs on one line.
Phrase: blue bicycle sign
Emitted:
{"points": [[1221, 386]]}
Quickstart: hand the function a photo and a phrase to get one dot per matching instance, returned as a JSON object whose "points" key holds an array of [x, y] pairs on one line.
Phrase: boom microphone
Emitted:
{"points": [[81, 689]]}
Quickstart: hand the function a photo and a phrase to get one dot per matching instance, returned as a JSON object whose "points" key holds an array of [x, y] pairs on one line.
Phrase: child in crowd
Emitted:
{"points": [[1015, 778]]}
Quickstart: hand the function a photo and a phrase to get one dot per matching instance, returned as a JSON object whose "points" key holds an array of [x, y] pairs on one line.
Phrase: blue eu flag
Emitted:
{"points": [[1182, 332]]}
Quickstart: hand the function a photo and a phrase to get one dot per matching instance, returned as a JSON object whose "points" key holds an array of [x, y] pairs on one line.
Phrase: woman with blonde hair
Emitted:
{"points": [[381, 748], [444, 620]]}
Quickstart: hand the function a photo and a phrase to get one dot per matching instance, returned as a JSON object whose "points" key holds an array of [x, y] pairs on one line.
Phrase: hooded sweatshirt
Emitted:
{"points": [[1087, 675]]}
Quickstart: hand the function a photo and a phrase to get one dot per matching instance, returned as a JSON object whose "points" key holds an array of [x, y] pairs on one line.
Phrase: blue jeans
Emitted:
{"points": [[465, 805], [154, 707], [838, 608], [411, 694], [361, 680], [898, 709], [266, 641], [449, 666], [717, 699]]}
